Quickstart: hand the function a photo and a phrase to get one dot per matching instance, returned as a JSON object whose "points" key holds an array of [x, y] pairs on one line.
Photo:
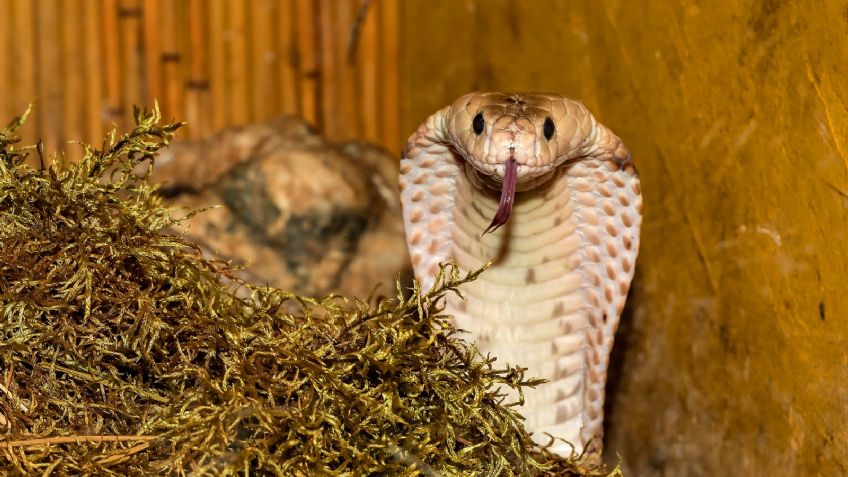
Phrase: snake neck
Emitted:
{"points": [[529, 309]]}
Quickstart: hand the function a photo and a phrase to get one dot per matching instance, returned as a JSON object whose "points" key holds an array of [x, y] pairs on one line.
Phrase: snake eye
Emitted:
{"points": [[548, 128], [478, 124]]}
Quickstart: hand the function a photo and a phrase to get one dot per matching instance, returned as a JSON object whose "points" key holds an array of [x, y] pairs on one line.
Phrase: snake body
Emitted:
{"points": [[567, 208]]}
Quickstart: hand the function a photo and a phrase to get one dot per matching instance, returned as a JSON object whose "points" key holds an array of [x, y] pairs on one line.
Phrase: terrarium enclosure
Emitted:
{"points": [[730, 358]]}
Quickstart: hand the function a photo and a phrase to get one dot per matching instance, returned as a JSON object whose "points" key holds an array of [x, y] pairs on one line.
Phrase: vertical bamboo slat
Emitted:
{"points": [[308, 38], [112, 64], [290, 89], [7, 84], [50, 88], [390, 67], [218, 65], [328, 120], [92, 64], [23, 65], [24, 55], [171, 62], [152, 40], [237, 54], [263, 53], [197, 94], [73, 75], [347, 81], [129, 26], [368, 63], [6, 78]]}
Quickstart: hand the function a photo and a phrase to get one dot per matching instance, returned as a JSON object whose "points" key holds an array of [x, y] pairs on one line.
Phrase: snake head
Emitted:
{"points": [[514, 142]]}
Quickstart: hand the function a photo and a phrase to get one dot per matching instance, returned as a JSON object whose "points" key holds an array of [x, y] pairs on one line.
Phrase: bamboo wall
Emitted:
{"points": [[212, 63]]}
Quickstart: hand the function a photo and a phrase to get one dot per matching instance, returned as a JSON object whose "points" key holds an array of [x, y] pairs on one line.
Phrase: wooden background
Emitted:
{"points": [[212, 63]]}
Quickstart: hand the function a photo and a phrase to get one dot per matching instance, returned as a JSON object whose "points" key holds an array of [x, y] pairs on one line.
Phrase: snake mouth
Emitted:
{"points": [[507, 196]]}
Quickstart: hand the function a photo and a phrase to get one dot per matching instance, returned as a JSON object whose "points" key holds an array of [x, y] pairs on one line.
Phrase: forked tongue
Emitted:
{"points": [[507, 196]]}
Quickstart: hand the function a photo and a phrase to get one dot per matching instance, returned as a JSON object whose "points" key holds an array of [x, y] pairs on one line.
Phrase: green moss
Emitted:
{"points": [[123, 351]]}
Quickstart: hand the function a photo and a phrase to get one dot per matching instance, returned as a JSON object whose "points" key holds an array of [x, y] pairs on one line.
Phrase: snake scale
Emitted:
{"points": [[536, 184]]}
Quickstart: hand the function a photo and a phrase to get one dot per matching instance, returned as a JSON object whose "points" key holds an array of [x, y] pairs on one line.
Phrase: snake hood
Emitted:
{"points": [[514, 142]]}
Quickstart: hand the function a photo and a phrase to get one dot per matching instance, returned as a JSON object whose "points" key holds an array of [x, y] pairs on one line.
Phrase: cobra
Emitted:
{"points": [[535, 184]]}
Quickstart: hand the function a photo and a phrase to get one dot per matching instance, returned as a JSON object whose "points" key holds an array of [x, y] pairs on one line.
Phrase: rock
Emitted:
{"points": [[303, 214]]}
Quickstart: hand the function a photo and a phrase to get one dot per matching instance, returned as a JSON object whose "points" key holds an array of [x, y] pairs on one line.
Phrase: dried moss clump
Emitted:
{"points": [[123, 351]]}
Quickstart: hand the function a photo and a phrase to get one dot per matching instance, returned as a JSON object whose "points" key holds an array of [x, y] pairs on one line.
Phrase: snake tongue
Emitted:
{"points": [[507, 196]]}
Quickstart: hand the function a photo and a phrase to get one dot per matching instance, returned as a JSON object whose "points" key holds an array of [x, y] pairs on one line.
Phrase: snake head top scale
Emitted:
{"points": [[571, 195]]}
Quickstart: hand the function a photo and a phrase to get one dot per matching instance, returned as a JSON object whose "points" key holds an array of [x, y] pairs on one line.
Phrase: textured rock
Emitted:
{"points": [[732, 361], [305, 215]]}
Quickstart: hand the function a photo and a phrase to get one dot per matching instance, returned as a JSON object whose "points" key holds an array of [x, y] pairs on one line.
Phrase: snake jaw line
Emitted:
{"points": [[507, 196]]}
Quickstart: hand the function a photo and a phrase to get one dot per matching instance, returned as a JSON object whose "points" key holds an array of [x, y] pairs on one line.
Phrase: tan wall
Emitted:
{"points": [[734, 359]]}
